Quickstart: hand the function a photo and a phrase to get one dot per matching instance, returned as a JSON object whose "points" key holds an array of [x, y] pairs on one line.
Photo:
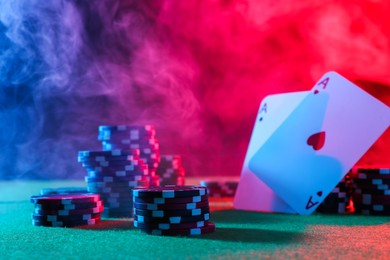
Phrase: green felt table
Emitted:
{"points": [[239, 235]]}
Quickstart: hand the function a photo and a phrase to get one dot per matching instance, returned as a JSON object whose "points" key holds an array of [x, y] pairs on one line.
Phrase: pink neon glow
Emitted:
{"points": [[195, 69]]}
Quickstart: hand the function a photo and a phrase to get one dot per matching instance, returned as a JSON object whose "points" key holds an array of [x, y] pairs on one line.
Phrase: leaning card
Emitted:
{"points": [[319, 142], [252, 193]]}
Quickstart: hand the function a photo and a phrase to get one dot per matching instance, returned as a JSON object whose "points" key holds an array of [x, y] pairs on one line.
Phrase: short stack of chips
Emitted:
{"points": [[125, 137], [371, 195], [113, 175], [338, 200], [172, 210], [69, 210], [220, 188], [171, 170]]}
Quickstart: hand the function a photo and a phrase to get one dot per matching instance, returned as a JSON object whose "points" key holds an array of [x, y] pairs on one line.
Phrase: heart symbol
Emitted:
{"points": [[317, 140], [316, 92], [319, 194]]}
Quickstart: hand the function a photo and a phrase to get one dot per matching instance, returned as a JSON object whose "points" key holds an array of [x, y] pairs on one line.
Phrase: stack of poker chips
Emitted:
{"points": [[125, 137], [66, 210], [338, 200], [220, 188], [171, 170], [371, 190], [172, 210], [113, 175]]}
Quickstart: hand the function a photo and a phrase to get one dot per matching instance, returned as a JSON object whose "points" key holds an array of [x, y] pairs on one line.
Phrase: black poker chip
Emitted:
{"points": [[54, 218], [63, 199], [72, 206], [172, 220], [171, 213], [208, 228], [69, 212], [158, 200], [66, 223], [169, 192], [168, 226], [372, 181], [182, 206], [371, 170]]}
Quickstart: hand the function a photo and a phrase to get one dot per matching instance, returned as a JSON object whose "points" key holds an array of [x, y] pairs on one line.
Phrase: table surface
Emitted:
{"points": [[240, 234]]}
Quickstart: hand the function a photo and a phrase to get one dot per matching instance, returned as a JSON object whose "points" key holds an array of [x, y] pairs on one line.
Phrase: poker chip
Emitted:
{"points": [[208, 228], [63, 190], [157, 200], [168, 226], [171, 170], [171, 213], [63, 199], [66, 223], [169, 191], [55, 218], [172, 220], [179, 206], [66, 210], [87, 205], [371, 190], [220, 188], [172, 210], [108, 154]]}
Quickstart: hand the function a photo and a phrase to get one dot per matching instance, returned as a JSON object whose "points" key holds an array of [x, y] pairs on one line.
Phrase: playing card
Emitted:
{"points": [[252, 193], [319, 142]]}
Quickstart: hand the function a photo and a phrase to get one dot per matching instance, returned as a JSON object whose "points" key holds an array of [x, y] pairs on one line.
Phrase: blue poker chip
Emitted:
{"points": [[114, 168]]}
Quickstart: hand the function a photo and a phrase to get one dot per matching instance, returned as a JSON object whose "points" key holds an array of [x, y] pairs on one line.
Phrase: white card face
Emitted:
{"points": [[311, 151], [252, 193]]}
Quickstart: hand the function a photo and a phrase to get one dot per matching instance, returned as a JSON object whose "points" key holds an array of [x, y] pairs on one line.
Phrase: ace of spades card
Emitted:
{"points": [[304, 157]]}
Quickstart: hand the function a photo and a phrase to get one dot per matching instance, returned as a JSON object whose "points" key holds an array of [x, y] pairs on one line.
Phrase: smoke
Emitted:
{"points": [[195, 69]]}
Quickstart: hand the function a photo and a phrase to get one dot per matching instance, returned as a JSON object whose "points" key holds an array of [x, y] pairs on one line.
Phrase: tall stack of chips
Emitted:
{"points": [[172, 210], [113, 175], [66, 210], [143, 137], [371, 190], [171, 170], [338, 200]]}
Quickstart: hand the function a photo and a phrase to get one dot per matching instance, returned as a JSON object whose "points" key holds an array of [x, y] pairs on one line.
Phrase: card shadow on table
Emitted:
{"points": [[253, 235], [110, 224]]}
